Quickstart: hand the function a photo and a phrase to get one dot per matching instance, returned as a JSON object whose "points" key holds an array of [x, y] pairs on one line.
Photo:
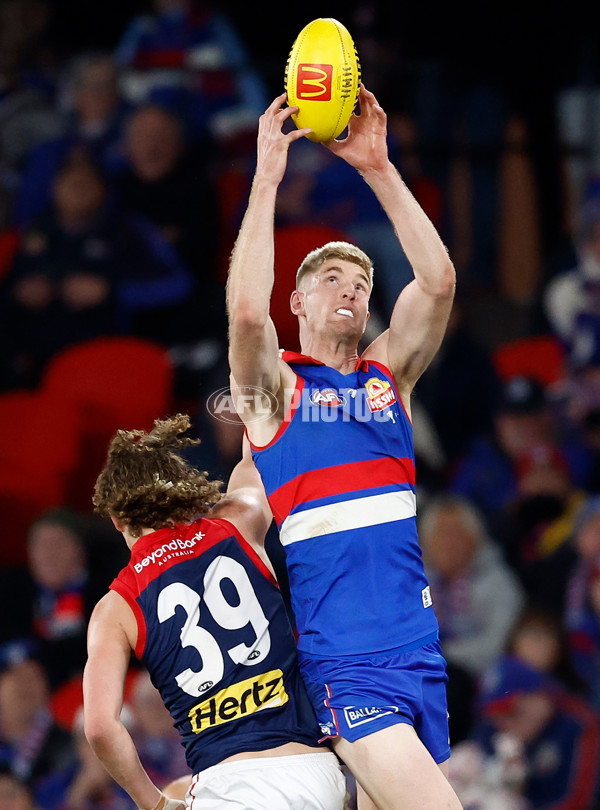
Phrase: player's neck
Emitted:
{"points": [[337, 354], [131, 541]]}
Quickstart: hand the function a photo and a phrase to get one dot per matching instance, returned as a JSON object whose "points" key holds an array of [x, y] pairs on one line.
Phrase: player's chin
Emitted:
{"points": [[348, 326]]}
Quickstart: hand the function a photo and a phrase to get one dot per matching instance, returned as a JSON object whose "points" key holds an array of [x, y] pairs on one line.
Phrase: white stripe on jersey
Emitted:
{"points": [[351, 514]]}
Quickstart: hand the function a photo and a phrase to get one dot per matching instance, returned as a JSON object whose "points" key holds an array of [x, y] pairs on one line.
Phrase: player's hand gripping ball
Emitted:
{"points": [[322, 78]]}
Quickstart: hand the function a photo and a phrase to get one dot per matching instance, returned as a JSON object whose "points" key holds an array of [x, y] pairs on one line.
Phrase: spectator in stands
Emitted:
{"points": [[577, 406], [169, 182], [51, 600], [86, 785], [156, 739], [93, 113], [83, 270], [188, 54], [539, 638], [582, 614], [493, 781], [572, 298], [462, 364], [539, 522], [32, 745], [14, 792], [60, 288], [467, 573], [27, 113], [59, 572], [559, 734], [488, 473]]}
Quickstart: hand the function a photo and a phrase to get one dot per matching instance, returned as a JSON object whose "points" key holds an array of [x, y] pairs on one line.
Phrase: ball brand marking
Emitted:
{"points": [[314, 82]]}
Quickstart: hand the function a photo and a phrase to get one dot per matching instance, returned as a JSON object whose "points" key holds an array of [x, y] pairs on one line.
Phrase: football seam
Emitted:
{"points": [[347, 68]]}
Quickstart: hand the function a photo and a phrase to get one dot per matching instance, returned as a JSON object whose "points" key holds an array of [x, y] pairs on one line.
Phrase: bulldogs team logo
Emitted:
{"points": [[327, 396], [380, 394]]}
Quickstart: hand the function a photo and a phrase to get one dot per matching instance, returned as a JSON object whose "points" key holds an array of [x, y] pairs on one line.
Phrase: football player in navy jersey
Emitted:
{"points": [[331, 436], [198, 603]]}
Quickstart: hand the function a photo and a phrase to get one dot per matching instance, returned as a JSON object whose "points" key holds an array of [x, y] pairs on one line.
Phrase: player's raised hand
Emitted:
{"points": [[365, 146], [273, 143]]}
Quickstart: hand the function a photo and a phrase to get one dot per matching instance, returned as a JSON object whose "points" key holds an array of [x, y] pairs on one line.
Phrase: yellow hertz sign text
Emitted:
{"points": [[247, 697]]}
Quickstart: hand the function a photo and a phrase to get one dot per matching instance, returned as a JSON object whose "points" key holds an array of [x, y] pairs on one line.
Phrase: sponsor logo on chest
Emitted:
{"points": [[380, 394], [327, 396]]}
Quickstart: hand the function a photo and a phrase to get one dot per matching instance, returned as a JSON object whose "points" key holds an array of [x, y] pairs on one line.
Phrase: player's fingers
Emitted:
{"points": [[286, 112], [367, 99], [295, 134], [277, 103]]}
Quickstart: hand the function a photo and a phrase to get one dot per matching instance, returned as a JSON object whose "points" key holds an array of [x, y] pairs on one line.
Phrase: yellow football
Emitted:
{"points": [[322, 78]]}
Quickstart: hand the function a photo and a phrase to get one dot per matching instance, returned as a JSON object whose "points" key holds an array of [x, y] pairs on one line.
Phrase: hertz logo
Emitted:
{"points": [[240, 700], [314, 82]]}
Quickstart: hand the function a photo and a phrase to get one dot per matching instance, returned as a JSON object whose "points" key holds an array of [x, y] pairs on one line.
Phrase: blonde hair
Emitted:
{"points": [[334, 250], [146, 483]]}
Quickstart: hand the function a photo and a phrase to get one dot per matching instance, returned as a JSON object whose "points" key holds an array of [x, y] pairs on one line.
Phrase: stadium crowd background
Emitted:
{"points": [[127, 140]]}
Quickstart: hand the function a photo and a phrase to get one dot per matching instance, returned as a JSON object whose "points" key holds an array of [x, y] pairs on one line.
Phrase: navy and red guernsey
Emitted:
{"points": [[214, 634], [340, 479]]}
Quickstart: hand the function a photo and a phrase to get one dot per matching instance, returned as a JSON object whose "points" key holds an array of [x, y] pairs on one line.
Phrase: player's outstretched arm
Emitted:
{"points": [[420, 316], [109, 651], [253, 345], [245, 503]]}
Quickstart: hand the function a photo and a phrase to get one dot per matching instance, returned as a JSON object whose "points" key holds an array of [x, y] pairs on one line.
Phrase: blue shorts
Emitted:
{"points": [[354, 696]]}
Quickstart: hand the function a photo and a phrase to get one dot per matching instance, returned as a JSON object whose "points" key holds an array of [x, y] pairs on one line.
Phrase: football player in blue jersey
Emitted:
{"points": [[198, 603], [332, 439]]}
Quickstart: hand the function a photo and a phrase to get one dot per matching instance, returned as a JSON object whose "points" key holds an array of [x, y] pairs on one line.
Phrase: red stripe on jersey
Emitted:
{"points": [[164, 537], [333, 716], [123, 590], [338, 479], [294, 405]]}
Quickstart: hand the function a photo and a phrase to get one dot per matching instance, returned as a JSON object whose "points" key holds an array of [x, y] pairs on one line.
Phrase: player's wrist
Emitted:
{"points": [[165, 803]]}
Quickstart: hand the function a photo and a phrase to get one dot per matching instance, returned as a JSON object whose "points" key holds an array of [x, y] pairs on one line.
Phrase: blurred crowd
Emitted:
{"points": [[124, 172]]}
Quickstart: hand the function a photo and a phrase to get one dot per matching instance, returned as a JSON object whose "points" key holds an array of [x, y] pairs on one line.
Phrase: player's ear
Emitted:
{"points": [[297, 302], [118, 526]]}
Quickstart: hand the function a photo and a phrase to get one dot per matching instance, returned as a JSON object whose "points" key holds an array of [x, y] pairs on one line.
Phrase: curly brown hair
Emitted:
{"points": [[146, 483]]}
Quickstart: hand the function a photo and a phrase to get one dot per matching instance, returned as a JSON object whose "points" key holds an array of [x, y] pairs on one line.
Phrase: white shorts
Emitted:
{"points": [[296, 782]]}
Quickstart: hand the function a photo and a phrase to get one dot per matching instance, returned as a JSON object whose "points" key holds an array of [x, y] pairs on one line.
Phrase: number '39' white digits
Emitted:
{"points": [[227, 615]]}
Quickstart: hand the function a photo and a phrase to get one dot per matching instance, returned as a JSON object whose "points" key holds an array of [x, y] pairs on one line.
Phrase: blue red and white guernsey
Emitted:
{"points": [[214, 635], [340, 479]]}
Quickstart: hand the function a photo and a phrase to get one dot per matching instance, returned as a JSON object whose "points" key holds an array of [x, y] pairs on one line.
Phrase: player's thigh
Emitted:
{"points": [[396, 770]]}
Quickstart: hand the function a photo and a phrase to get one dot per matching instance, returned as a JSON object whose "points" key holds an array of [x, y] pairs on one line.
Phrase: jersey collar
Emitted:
{"points": [[304, 359]]}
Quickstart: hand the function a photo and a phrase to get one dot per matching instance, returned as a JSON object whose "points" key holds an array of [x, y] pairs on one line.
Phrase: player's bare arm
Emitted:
{"points": [[253, 344], [420, 316], [111, 634], [245, 504]]}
